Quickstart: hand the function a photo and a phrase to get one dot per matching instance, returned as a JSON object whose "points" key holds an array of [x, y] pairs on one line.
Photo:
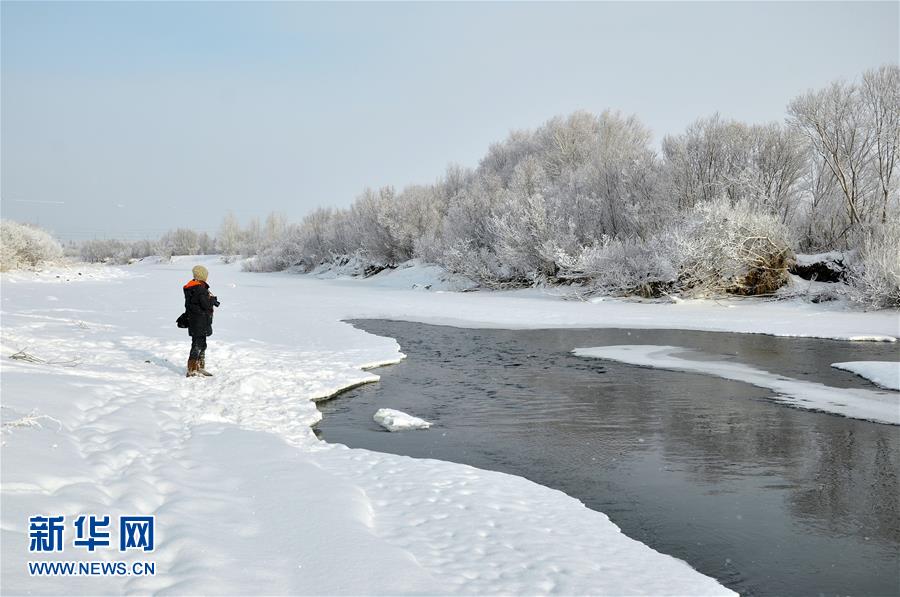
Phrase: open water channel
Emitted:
{"points": [[768, 499]]}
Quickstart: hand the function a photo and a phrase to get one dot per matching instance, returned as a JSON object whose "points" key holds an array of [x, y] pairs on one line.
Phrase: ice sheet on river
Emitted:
{"points": [[870, 405], [882, 373]]}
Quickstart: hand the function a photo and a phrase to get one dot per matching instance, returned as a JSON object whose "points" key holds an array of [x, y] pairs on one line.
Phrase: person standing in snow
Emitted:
{"points": [[199, 303]]}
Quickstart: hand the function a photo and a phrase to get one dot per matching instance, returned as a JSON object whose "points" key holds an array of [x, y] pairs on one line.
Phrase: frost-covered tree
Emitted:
{"points": [[822, 221], [880, 94], [716, 158], [251, 236], [707, 161], [316, 237], [835, 123], [229, 237], [276, 224], [181, 241], [585, 198], [525, 224], [371, 220], [778, 164], [416, 213]]}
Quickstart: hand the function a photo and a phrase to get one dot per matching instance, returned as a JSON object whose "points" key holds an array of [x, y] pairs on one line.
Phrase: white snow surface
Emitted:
{"points": [[396, 420], [246, 498], [413, 274], [870, 405], [882, 373]]}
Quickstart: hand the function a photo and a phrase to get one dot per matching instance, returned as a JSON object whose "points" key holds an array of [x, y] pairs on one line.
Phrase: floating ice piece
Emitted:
{"points": [[395, 420], [882, 373], [856, 403]]}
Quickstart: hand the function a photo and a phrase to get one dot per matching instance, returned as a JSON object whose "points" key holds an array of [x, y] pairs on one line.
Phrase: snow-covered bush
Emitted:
{"points": [[466, 232], [284, 252], [875, 277], [732, 248], [26, 246], [525, 224], [479, 264], [625, 267]]}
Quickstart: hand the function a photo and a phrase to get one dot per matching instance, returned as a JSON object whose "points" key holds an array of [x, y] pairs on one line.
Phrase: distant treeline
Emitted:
{"points": [[587, 199]]}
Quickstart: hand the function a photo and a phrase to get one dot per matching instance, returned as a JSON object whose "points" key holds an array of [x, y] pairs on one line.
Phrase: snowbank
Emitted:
{"points": [[828, 257], [395, 420], [881, 407], [62, 273], [386, 296], [414, 274], [882, 373]]}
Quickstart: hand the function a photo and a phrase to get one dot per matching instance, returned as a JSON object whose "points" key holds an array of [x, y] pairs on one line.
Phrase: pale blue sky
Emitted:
{"points": [[126, 119]]}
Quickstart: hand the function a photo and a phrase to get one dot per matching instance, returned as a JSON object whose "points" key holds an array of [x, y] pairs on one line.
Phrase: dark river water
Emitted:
{"points": [[768, 499]]}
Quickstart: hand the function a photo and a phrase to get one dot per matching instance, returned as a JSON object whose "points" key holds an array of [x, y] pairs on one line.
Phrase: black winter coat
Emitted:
{"points": [[198, 304]]}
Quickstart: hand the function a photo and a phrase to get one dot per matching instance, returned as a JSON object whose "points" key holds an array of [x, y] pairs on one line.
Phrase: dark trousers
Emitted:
{"points": [[198, 347]]}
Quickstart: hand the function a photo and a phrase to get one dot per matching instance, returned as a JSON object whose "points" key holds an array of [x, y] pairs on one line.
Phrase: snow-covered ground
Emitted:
{"points": [[870, 405], [882, 373], [247, 500]]}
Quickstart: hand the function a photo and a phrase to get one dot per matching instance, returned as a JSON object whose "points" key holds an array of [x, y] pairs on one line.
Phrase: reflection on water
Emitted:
{"points": [[768, 499]]}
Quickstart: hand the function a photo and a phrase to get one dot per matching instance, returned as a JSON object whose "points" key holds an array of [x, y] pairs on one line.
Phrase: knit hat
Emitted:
{"points": [[200, 273]]}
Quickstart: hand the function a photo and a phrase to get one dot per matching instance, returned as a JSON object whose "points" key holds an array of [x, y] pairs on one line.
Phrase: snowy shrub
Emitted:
{"points": [[25, 246], [875, 277], [477, 263], [725, 248], [279, 254], [525, 225], [371, 219], [466, 228], [414, 214], [625, 267]]}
